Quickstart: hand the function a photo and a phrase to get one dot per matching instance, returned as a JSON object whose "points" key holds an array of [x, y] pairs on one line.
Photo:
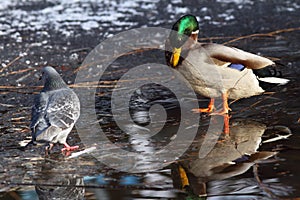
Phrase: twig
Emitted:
{"points": [[270, 34], [216, 38], [279, 137], [261, 184], [14, 60], [236, 38], [80, 49], [254, 104], [17, 72], [11, 62], [113, 57]]}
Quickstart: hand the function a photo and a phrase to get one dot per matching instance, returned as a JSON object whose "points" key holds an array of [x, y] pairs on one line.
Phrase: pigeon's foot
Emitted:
{"points": [[69, 148], [48, 148]]}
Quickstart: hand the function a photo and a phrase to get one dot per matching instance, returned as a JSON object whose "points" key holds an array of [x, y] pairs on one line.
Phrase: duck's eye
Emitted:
{"points": [[187, 32]]}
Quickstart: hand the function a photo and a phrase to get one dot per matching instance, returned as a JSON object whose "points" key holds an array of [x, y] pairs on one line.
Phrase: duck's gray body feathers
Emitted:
{"points": [[205, 67]]}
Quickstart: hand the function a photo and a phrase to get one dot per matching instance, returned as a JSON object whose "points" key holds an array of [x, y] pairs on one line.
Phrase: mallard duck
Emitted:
{"points": [[214, 70], [55, 111]]}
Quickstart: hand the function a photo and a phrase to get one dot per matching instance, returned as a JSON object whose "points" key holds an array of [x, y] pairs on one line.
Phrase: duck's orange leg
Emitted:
{"points": [[224, 112], [209, 109], [225, 108], [226, 124]]}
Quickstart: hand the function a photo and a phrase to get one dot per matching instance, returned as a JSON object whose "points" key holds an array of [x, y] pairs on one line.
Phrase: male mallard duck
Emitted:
{"points": [[214, 70], [55, 111]]}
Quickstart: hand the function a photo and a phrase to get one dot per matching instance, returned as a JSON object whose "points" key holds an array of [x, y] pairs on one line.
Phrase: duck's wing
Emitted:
{"points": [[221, 54]]}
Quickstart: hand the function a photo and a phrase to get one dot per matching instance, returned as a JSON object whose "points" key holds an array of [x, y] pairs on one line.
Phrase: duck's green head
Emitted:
{"points": [[185, 27]]}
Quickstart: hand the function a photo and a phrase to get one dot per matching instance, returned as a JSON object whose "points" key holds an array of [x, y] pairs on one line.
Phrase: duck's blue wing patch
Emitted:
{"points": [[239, 67]]}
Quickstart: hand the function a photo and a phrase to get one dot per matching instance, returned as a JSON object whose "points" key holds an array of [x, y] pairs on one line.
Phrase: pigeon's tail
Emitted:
{"points": [[270, 75], [25, 145]]}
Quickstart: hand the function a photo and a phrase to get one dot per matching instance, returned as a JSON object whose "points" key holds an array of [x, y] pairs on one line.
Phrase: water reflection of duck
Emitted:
{"points": [[215, 70], [232, 157]]}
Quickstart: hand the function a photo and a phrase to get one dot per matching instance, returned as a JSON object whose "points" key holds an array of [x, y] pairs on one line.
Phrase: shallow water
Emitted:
{"points": [[63, 33]]}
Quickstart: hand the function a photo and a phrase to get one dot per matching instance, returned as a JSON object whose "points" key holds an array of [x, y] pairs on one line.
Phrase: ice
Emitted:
{"points": [[89, 25]]}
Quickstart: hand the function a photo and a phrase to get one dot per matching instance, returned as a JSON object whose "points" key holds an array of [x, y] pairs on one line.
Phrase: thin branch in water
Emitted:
{"points": [[261, 184], [17, 72], [254, 104], [270, 34], [14, 60]]}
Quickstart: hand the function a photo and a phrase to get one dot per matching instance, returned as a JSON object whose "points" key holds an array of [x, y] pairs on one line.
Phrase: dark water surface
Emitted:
{"points": [[248, 165]]}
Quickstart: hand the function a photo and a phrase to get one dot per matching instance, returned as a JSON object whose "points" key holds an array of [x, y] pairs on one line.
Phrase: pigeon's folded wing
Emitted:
{"points": [[63, 109], [38, 120]]}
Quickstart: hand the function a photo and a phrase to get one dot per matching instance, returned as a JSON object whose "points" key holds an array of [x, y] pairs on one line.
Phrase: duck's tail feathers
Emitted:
{"points": [[274, 80], [270, 74], [269, 71]]}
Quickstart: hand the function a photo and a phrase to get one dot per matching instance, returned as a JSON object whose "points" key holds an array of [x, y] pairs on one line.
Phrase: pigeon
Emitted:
{"points": [[55, 111]]}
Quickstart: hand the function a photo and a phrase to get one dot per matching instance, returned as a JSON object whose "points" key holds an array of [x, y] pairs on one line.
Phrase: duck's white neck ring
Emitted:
{"points": [[195, 32]]}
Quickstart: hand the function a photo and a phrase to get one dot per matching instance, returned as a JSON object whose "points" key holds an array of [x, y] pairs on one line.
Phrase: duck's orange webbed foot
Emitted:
{"points": [[221, 112], [209, 109]]}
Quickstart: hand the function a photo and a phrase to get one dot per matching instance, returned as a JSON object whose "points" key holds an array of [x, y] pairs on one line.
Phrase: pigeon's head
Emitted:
{"points": [[51, 79]]}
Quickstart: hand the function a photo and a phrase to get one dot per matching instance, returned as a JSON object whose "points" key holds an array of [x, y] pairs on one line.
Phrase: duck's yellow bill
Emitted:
{"points": [[175, 57], [183, 177]]}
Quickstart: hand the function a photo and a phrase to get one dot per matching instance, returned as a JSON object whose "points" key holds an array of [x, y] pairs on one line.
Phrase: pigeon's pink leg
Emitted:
{"points": [[69, 148]]}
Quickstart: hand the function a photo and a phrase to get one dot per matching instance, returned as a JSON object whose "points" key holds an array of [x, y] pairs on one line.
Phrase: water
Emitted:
{"points": [[63, 33]]}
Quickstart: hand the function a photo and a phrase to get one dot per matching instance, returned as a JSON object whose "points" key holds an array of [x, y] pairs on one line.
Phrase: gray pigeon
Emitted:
{"points": [[55, 111]]}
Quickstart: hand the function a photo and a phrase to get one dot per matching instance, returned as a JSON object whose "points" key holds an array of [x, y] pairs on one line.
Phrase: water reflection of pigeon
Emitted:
{"points": [[55, 111], [63, 192], [59, 180]]}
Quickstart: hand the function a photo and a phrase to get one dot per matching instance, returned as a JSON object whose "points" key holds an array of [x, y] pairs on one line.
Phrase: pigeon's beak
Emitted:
{"points": [[175, 57], [41, 76]]}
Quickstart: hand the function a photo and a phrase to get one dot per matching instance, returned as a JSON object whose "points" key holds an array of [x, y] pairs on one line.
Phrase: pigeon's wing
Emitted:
{"points": [[63, 108], [38, 113], [53, 112]]}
